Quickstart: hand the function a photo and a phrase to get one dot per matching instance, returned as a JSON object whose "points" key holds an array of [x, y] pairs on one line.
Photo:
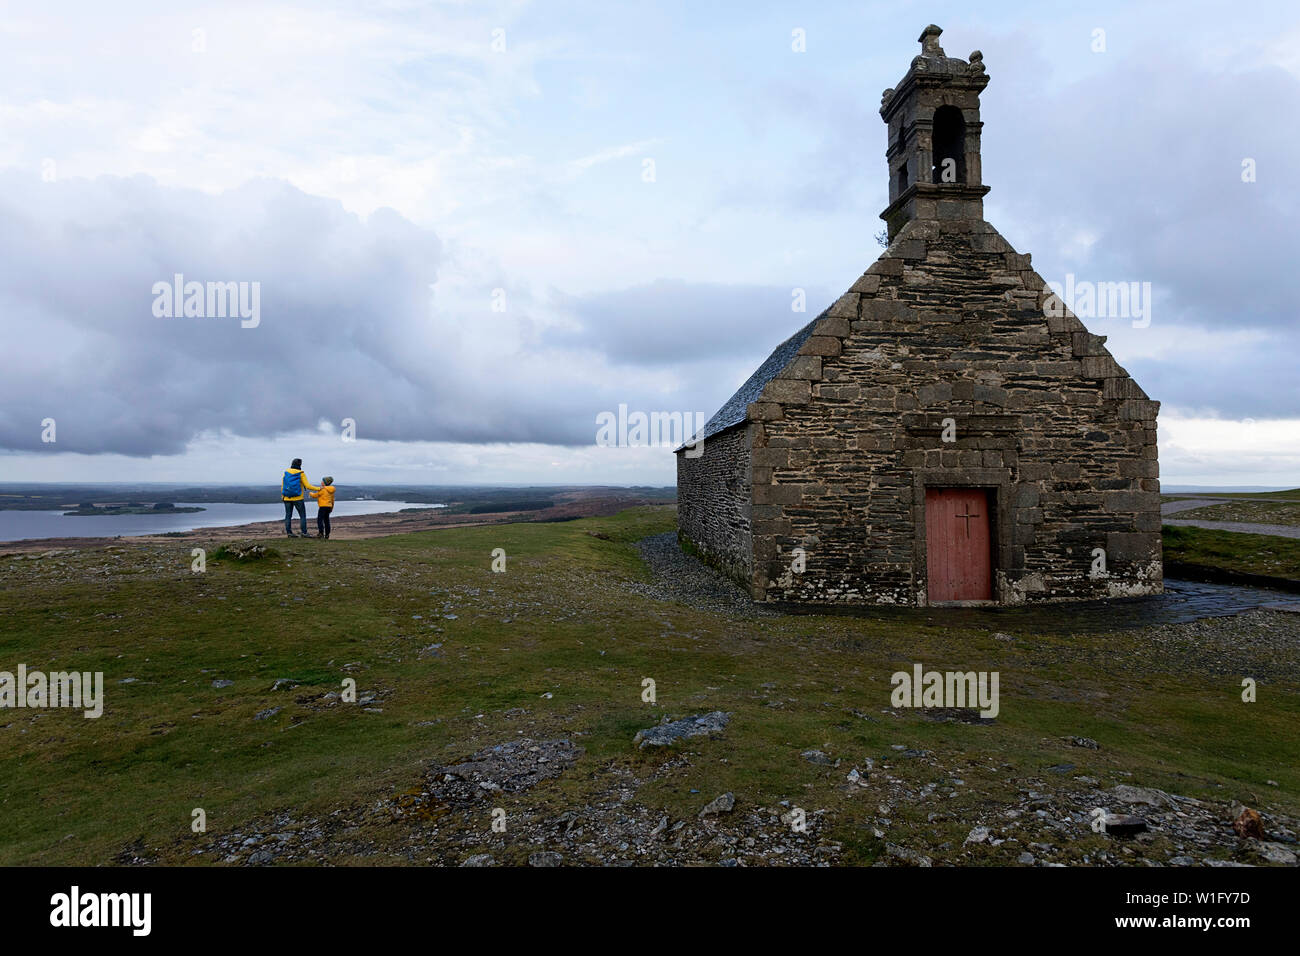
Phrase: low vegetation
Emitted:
{"points": [[215, 686], [1215, 552]]}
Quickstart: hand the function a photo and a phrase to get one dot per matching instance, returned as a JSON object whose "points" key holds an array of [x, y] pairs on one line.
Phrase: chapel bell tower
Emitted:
{"points": [[934, 124]]}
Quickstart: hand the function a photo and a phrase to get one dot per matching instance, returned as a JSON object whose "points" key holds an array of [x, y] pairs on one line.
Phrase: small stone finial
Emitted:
{"points": [[976, 61], [929, 40], [885, 97]]}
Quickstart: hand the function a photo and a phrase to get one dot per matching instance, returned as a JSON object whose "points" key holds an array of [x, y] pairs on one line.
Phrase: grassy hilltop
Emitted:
{"points": [[450, 657]]}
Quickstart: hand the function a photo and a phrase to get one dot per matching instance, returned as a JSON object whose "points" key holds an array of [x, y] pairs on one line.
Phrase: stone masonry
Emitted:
{"points": [[716, 515], [948, 364]]}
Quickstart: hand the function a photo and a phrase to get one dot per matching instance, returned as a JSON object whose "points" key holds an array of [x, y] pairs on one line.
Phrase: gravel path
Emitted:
{"points": [[688, 580], [1188, 504]]}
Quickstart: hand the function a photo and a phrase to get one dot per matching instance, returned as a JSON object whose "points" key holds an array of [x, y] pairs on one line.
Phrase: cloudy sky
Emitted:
{"points": [[477, 225]]}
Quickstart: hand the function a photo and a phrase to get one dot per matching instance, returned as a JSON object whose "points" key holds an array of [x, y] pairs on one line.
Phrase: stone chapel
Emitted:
{"points": [[947, 432]]}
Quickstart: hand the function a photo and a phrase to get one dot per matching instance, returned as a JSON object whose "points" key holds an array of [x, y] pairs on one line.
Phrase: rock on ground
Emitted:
{"points": [[508, 767], [723, 804], [669, 732]]}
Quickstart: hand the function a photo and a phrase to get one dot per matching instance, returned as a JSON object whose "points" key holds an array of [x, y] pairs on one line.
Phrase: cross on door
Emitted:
{"points": [[968, 516]]}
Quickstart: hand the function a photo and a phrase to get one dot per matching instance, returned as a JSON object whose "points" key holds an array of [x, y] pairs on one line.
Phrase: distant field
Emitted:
{"points": [[1293, 493], [461, 658], [1250, 512]]}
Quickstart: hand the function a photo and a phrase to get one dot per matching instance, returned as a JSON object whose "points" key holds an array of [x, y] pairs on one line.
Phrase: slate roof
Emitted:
{"points": [[733, 411]]}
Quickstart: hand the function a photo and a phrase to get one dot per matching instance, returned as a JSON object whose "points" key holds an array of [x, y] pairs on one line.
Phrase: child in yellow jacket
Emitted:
{"points": [[324, 496]]}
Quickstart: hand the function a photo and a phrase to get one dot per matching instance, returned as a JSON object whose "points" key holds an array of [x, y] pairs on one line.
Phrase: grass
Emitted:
{"points": [[1211, 550], [562, 620]]}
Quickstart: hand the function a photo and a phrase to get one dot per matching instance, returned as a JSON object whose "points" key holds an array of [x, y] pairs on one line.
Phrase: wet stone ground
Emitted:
{"points": [[682, 578]]}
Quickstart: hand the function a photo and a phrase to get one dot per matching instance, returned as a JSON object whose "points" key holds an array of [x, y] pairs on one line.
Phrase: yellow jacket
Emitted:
{"points": [[324, 496], [305, 484]]}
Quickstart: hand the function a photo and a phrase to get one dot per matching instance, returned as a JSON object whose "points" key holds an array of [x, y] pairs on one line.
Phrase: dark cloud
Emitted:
{"points": [[347, 329], [1146, 158], [671, 322], [1258, 383]]}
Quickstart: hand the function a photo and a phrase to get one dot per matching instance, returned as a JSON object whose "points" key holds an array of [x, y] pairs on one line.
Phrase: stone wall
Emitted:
{"points": [[950, 323], [713, 502]]}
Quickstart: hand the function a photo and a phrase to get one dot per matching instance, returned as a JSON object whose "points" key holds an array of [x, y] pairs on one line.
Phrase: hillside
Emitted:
{"points": [[223, 694]]}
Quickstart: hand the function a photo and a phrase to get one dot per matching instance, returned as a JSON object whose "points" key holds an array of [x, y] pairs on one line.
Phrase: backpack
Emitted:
{"points": [[291, 486]]}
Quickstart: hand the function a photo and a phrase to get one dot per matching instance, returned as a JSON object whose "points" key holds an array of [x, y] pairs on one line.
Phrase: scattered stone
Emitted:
{"points": [[479, 859], [284, 683], [510, 767], [222, 683], [977, 835], [269, 712], [252, 552], [817, 757], [906, 855], [668, 733], [545, 858], [1276, 853], [1025, 859], [1085, 742]]}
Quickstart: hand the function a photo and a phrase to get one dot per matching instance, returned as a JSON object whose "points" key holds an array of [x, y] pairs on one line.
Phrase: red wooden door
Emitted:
{"points": [[958, 545]]}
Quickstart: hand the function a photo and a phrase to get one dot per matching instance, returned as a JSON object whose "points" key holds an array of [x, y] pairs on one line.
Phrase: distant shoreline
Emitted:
{"points": [[346, 526], [130, 510]]}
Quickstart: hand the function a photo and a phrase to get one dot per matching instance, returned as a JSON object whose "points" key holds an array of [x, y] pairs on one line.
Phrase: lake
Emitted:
{"points": [[24, 525]]}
